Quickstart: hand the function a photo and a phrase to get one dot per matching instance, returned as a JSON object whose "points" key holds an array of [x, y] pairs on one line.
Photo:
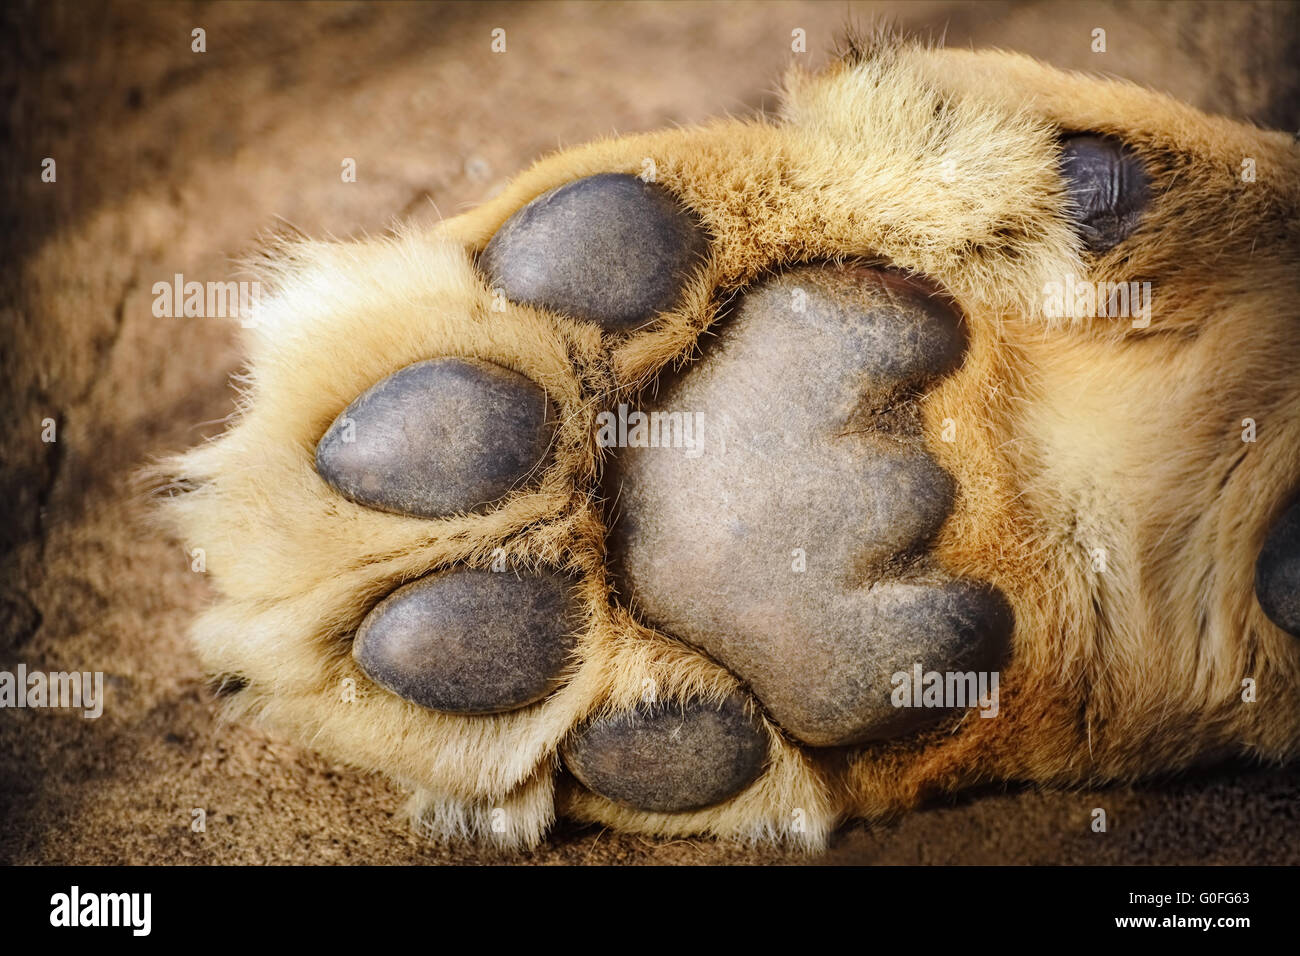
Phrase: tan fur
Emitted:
{"points": [[1071, 436]]}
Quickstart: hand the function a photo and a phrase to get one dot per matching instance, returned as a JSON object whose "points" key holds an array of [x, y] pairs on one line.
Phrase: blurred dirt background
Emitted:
{"points": [[173, 161]]}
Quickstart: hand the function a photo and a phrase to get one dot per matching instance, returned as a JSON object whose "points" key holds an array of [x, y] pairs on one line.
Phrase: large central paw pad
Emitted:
{"points": [[789, 539]]}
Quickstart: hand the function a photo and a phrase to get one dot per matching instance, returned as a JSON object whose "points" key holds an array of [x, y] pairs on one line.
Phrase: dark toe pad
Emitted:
{"points": [[609, 248], [1277, 572], [1108, 189], [670, 757], [469, 641], [437, 438]]}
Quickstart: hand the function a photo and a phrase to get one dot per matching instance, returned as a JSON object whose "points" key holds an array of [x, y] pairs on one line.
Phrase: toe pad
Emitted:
{"points": [[437, 438], [1277, 572], [1108, 189], [609, 248], [670, 757], [470, 642]]}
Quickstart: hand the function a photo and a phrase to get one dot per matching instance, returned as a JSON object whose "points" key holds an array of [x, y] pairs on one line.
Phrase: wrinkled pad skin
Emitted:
{"points": [[804, 456], [610, 249], [437, 438], [471, 641], [669, 757], [1277, 572], [1108, 189]]}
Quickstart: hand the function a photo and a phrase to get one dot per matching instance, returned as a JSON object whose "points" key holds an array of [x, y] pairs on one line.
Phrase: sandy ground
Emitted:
{"points": [[172, 161]]}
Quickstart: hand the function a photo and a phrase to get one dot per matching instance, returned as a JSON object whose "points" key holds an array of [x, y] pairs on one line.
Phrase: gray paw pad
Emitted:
{"points": [[896, 628], [609, 248], [790, 542], [670, 757], [1277, 572], [1108, 189], [469, 641], [437, 438]]}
